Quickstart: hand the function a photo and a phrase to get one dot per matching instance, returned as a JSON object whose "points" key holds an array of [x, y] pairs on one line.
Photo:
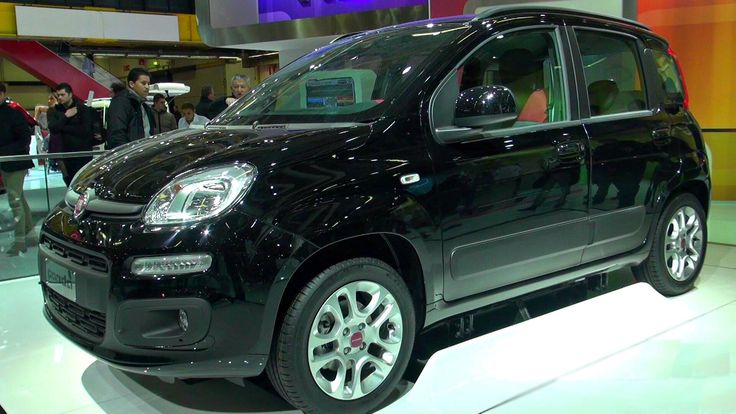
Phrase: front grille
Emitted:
{"points": [[75, 256], [88, 321]]}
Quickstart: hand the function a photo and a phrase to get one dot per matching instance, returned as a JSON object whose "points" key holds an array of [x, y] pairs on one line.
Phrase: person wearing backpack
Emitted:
{"points": [[73, 121]]}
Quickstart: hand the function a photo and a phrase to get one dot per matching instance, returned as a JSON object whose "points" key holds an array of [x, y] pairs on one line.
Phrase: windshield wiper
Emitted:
{"points": [[288, 126]]}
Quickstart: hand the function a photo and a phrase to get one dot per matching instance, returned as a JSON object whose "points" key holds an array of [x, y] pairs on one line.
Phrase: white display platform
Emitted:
{"points": [[628, 351]]}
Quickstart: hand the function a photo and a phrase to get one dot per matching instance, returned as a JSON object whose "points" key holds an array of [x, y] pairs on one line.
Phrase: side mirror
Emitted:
{"points": [[485, 106]]}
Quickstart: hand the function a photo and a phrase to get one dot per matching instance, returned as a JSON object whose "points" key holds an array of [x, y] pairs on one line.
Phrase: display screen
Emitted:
{"points": [[270, 11], [331, 92]]}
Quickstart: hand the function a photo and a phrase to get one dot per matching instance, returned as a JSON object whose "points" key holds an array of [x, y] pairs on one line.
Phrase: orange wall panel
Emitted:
{"points": [[703, 35], [723, 171]]}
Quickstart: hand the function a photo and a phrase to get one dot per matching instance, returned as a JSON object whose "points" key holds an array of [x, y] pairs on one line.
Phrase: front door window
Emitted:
{"points": [[528, 64]]}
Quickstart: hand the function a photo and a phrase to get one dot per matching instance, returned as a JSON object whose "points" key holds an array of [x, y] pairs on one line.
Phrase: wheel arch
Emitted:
{"points": [[698, 188], [395, 250]]}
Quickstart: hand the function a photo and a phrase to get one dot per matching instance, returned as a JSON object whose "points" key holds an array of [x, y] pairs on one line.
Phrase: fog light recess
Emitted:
{"points": [[171, 265]]}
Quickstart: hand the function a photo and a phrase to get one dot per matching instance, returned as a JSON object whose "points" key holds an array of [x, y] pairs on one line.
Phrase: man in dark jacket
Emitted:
{"points": [[239, 86], [129, 117], [205, 100], [15, 139], [72, 121]]}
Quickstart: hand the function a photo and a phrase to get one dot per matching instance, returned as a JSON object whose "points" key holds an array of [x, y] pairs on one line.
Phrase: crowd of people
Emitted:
{"points": [[66, 125], [130, 118]]}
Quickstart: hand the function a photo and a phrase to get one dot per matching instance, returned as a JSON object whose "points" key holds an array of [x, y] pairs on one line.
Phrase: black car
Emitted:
{"points": [[383, 183]]}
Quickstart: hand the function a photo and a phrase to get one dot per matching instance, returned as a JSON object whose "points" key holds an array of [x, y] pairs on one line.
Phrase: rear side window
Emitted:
{"points": [[613, 74], [668, 76]]}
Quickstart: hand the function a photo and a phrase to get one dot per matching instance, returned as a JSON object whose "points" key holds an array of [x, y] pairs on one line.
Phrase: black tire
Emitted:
{"points": [[289, 365], [655, 270]]}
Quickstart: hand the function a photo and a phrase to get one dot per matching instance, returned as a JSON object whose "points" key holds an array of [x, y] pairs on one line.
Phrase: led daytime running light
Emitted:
{"points": [[171, 265]]}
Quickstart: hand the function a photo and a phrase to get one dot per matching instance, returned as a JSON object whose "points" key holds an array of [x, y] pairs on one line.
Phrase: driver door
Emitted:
{"points": [[514, 191]]}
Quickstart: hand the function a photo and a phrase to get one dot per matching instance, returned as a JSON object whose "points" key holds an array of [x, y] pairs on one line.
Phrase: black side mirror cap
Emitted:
{"points": [[485, 106]]}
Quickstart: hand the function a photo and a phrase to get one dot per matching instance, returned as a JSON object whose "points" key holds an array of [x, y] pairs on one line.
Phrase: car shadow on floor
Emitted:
{"points": [[118, 391]]}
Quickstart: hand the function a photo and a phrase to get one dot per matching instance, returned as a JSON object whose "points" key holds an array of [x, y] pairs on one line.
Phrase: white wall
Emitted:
{"points": [[84, 24]]}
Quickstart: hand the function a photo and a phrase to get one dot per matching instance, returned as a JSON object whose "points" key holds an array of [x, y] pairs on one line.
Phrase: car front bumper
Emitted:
{"points": [[133, 322]]}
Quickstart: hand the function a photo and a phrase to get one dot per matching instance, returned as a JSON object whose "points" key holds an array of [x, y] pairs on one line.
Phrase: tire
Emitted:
{"points": [[323, 339], [676, 257]]}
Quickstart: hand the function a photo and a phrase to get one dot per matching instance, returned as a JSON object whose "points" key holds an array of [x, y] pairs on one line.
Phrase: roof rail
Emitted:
{"points": [[343, 36], [499, 10]]}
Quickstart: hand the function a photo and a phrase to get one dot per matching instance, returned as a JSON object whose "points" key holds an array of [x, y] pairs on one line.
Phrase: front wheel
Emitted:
{"points": [[678, 249], [345, 340]]}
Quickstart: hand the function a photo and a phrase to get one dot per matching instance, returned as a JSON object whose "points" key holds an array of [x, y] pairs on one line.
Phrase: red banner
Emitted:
{"points": [[444, 8]]}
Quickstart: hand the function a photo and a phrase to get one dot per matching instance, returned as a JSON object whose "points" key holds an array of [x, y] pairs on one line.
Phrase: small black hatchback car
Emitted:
{"points": [[374, 187]]}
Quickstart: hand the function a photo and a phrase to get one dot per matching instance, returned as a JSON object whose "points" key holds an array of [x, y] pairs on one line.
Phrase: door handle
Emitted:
{"points": [[661, 136], [566, 149]]}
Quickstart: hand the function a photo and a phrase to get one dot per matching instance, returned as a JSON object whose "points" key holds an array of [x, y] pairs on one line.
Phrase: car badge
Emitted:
{"points": [[81, 205]]}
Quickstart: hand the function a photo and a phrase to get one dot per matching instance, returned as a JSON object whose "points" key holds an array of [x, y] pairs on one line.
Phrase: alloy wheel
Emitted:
{"points": [[683, 244], [355, 340]]}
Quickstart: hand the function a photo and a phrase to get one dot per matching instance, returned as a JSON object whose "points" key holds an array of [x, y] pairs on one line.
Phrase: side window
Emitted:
{"points": [[613, 72], [668, 76], [528, 65]]}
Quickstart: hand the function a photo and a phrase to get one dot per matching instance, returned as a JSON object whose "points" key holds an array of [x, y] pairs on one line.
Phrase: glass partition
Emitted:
{"points": [[26, 197], [92, 69]]}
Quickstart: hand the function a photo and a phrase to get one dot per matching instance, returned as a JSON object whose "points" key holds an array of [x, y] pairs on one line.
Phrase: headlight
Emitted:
{"points": [[200, 195]]}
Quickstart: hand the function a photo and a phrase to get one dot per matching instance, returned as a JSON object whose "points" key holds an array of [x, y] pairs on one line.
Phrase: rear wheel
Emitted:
{"points": [[678, 249], [346, 339]]}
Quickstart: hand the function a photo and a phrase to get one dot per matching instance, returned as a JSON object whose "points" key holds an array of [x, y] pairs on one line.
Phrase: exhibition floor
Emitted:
{"points": [[629, 350]]}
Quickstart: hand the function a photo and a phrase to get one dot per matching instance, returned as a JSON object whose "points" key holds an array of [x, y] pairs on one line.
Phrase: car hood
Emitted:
{"points": [[135, 172]]}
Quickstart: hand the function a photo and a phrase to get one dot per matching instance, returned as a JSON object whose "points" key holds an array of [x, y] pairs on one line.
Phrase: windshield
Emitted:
{"points": [[352, 80]]}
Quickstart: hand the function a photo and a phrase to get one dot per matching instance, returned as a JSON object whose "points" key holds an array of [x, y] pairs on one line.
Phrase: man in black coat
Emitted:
{"points": [[129, 117], [73, 122], [239, 86], [15, 139]]}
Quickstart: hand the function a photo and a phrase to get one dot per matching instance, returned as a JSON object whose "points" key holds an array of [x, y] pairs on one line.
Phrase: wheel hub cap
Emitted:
{"points": [[356, 341]]}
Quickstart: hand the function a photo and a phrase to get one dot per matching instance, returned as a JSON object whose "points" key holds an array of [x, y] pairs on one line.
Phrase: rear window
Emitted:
{"points": [[613, 74]]}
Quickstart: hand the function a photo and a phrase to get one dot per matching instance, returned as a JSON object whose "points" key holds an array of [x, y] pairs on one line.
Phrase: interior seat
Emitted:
{"points": [[602, 95], [523, 74]]}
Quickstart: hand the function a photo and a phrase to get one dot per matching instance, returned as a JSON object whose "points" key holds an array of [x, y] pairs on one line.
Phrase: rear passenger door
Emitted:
{"points": [[624, 133]]}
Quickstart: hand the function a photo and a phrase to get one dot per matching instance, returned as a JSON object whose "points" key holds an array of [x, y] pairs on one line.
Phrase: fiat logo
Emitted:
{"points": [[81, 206]]}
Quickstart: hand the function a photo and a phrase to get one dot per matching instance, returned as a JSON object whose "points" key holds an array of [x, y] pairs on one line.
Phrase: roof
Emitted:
{"points": [[499, 11]]}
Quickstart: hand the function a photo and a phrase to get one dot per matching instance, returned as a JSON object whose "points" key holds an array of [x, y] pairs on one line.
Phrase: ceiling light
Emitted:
{"points": [[262, 55]]}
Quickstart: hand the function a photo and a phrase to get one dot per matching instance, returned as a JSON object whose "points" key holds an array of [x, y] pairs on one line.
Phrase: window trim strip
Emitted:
{"points": [[619, 116]]}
